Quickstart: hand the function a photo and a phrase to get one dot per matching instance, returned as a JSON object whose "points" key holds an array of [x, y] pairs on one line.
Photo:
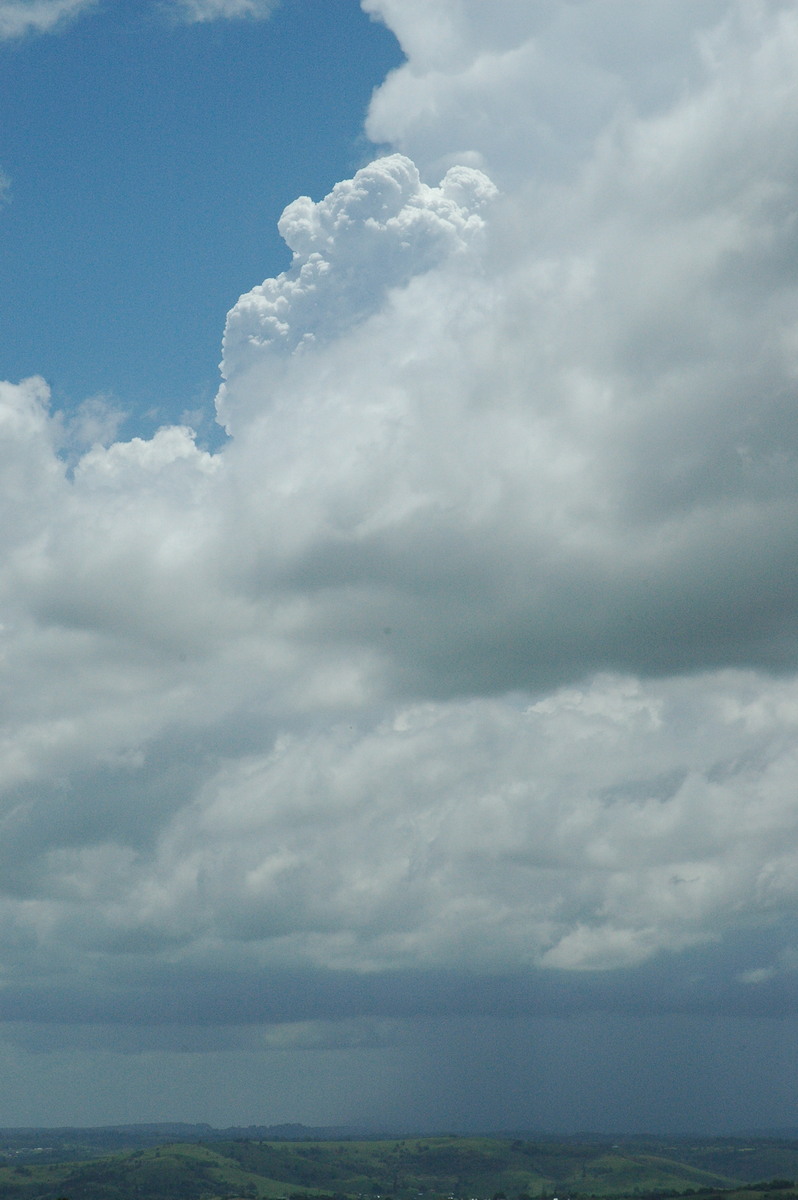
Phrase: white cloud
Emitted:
{"points": [[525, 88], [214, 10], [96, 421], [372, 233], [19, 17]]}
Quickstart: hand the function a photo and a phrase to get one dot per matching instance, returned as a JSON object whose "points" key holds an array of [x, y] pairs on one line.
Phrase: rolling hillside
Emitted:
{"points": [[471, 1168]]}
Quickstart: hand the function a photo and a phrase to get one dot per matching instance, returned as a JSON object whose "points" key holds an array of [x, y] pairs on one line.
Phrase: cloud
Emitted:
{"points": [[19, 17], [96, 421], [473, 650], [372, 233], [214, 10], [588, 830], [527, 90]]}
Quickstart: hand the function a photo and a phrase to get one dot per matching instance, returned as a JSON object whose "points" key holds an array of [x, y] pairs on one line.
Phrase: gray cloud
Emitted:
{"points": [[457, 834]]}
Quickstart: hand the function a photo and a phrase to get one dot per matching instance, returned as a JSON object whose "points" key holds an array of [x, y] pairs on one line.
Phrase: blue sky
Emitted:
{"points": [[422, 748], [149, 161]]}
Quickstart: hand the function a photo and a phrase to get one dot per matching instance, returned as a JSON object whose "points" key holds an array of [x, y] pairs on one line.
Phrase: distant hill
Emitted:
{"points": [[52, 1164], [73, 1142]]}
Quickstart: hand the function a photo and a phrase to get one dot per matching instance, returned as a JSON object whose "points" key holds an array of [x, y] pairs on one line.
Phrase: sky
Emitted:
{"points": [[399, 580]]}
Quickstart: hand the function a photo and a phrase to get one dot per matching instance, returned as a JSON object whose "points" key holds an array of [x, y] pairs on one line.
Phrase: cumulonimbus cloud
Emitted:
{"points": [[475, 645]]}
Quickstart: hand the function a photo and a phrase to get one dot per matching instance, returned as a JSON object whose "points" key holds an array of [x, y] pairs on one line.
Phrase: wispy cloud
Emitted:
{"points": [[19, 17], [214, 10]]}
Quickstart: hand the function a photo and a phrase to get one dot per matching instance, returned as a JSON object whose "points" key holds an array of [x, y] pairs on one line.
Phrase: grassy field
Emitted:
{"points": [[434, 1168]]}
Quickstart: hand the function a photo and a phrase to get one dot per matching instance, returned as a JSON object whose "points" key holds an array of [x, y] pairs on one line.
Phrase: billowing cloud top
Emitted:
{"points": [[475, 647], [372, 233]]}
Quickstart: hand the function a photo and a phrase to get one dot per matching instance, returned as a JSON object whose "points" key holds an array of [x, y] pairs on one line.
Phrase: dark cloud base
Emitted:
{"points": [[723, 979]]}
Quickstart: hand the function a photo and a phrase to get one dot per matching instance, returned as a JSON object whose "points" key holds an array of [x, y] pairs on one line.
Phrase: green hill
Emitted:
{"points": [[415, 1168]]}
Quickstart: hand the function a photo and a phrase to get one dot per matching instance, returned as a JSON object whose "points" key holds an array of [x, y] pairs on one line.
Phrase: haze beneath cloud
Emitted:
{"points": [[460, 685]]}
